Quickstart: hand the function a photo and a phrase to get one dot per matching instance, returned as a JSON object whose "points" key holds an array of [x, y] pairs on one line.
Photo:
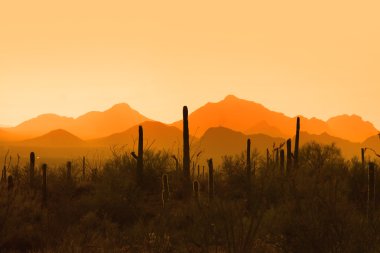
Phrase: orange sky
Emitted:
{"points": [[316, 58]]}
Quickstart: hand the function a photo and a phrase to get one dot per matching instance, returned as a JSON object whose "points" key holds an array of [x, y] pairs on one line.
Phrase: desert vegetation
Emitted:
{"points": [[291, 199]]}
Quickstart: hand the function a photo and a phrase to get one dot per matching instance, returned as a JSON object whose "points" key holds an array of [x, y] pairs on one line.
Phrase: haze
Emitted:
{"points": [[298, 57]]}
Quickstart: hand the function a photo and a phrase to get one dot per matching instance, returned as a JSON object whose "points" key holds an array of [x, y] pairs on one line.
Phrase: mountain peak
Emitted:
{"points": [[120, 106], [231, 98]]}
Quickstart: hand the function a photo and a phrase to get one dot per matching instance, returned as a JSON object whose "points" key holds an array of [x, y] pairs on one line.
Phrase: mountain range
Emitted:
{"points": [[216, 129]]}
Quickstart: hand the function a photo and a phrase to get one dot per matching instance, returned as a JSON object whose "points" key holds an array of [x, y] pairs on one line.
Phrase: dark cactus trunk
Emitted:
{"points": [[84, 168], [371, 191], [363, 157], [268, 158], [44, 185], [288, 156], [140, 160], [210, 180], [249, 168], [4, 175], [296, 144], [282, 162], [186, 145], [31, 168]]}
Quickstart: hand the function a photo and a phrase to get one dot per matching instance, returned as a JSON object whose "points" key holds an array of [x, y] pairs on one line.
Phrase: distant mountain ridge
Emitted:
{"points": [[233, 113], [90, 125], [250, 117]]}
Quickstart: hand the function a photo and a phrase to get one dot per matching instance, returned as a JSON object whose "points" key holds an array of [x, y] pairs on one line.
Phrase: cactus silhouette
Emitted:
{"points": [[363, 157], [249, 168], [4, 175], [186, 145], [165, 189], [210, 180], [31, 168], [288, 156], [139, 157], [84, 168], [186, 155], [371, 191], [296, 144], [282, 162], [44, 185]]}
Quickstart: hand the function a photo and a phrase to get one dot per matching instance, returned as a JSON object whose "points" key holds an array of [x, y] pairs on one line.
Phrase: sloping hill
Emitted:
{"points": [[56, 138]]}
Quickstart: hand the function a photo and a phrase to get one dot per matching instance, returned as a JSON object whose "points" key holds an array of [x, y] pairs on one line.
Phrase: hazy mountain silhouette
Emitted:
{"points": [[372, 142], [263, 128], [56, 138], [219, 141], [236, 114], [90, 125], [351, 128], [250, 117]]}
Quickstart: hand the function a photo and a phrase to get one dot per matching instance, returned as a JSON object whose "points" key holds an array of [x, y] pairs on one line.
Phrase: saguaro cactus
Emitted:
{"points": [[31, 168], [165, 189], [288, 156], [68, 171], [268, 158], [282, 162], [139, 157], [4, 175], [371, 191], [249, 168], [186, 145], [363, 157], [297, 141], [44, 185], [210, 180], [84, 168]]}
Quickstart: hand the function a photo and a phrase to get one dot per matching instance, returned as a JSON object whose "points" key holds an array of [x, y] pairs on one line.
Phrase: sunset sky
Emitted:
{"points": [[315, 58]]}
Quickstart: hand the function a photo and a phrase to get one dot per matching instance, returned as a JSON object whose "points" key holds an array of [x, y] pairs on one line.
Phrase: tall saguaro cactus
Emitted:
{"points": [[288, 156], [44, 185], [210, 180], [186, 145], [371, 191], [249, 168], [84, 168], [297, 142], [31, 168], [282, 162], [139, 157], [363, 157]]}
